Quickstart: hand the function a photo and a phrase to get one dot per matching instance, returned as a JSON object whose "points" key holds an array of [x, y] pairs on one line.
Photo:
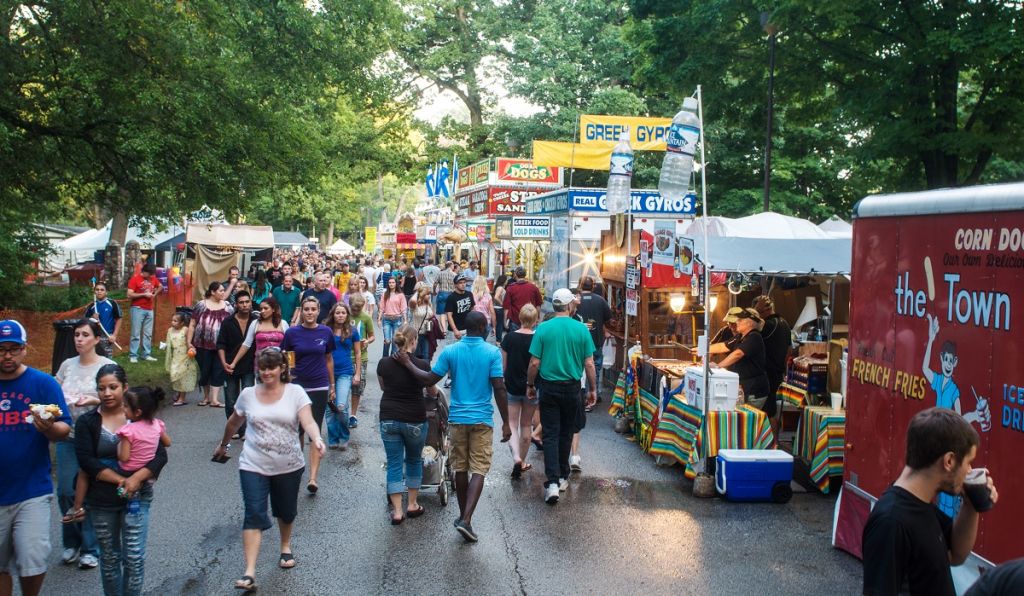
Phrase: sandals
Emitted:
{"points": [[312, 488], [397, 520], [247, 583], [179, 403], [203, 403], [537, 443], [287, 561], [217, 405], [73, 516], [414, 513], [517, 471]]}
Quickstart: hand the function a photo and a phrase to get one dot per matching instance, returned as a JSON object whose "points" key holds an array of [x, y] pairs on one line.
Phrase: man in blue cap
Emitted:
{"points": [[26, 492]]}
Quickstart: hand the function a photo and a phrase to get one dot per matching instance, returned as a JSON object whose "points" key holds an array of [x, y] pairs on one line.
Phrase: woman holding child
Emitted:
{"points": [[117, 500]]}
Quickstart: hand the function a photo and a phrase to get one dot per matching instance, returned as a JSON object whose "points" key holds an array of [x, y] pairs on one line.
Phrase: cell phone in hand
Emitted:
{"points": [[220, 459]]}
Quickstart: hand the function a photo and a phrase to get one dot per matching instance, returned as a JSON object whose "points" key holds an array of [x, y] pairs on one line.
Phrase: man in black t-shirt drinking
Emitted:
{"points": [[909, 544]]}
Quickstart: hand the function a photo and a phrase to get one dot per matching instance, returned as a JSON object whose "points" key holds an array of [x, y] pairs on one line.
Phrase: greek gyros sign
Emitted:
{"points": [[531, 228]]}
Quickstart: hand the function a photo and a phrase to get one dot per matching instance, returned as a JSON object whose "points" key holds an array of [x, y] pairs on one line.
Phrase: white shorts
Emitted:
{"points": [[25, 536]]}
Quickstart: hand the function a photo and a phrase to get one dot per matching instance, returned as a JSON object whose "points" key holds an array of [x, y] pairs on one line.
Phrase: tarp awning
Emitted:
{"points": [[92, 239], [230, 235], [340, 246]]}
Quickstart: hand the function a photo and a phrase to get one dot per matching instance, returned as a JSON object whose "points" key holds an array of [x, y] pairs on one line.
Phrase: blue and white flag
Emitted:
{"points": [[431, 189], [455, 172], [442, 180]]}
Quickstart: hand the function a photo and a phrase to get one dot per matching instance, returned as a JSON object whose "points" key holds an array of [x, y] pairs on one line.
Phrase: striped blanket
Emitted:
{"points": [[677, 431], [821, 441], [743, 428]]}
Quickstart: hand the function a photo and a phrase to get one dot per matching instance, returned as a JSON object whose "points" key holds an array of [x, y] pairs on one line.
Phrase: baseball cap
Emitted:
{"points": [[748, 313], [13, 332], [731, 316], [460, 277], [563, 297]]}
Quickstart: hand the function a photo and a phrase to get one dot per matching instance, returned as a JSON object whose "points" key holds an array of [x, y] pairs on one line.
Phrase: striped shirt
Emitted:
{"points": [[446, 282]]}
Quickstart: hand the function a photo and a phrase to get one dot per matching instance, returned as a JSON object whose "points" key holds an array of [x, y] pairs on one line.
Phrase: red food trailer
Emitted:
{"points": [[937, 301]]}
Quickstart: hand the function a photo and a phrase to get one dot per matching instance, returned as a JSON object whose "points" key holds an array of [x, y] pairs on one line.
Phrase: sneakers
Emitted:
{"points": [[133, 360], [150, 359], [551, 494], [563, 484], [353, 422], [466, 530], [69, 556], [88, 562], [575, 463]]}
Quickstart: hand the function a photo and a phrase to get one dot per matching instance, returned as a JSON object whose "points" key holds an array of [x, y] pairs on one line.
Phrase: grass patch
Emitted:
{"points": [[146, 373]]}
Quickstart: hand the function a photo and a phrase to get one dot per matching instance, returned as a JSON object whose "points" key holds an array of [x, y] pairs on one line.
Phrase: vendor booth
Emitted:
{"points": [[803, 268], [579, 216], [212, 249], [497, 189]]}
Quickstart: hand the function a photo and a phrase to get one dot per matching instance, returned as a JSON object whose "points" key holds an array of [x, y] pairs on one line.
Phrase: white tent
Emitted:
{"points": [[771, 243], [340, 247], [836, 227], [81, 247]]}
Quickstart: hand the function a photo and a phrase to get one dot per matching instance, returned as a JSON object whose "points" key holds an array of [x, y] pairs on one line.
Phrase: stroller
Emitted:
{"points": [[437, 471]]}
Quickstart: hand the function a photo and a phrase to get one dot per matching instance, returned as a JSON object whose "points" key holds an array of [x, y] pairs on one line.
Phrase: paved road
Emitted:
{"points": [[625, 526]]}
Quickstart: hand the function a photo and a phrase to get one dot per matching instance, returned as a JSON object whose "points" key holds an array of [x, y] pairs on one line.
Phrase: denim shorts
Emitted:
{"points": [[283, 490], [522, 399], [439, 303]]}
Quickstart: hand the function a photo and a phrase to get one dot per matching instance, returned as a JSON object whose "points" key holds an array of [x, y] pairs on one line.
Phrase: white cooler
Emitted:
{"points": [[723, 388]]}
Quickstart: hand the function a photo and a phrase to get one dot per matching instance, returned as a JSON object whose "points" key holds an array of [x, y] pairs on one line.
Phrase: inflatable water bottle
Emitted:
{"points": [[681, 145], [620, 174]]}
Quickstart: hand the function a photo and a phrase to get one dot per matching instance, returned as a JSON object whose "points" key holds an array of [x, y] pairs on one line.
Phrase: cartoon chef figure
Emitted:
{"points": [[947, 395]]}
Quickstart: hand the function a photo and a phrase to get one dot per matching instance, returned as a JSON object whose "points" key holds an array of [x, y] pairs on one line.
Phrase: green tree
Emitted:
{"points": [[154, 109]]}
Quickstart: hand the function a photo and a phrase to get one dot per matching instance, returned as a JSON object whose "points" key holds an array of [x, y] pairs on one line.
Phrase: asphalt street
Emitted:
{"points": [[625, 525]]}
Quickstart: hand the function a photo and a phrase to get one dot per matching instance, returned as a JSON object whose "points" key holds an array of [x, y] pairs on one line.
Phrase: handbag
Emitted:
{"points": [[426, 325]]}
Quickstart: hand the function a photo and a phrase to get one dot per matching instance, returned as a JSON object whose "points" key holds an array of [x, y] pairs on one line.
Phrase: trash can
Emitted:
{"points": [[63, 343]]}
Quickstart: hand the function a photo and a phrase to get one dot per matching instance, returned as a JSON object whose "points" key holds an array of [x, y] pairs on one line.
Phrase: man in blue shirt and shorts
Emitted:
{"points": [[26, 488], [475, 369]]}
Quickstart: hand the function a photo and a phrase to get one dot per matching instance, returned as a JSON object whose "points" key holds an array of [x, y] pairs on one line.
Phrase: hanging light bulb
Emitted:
{"points": [[677, 302], [714, 302]]}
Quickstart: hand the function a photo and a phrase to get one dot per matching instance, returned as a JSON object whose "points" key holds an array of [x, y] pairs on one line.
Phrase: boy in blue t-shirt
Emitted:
{"points": [[107, 312]]}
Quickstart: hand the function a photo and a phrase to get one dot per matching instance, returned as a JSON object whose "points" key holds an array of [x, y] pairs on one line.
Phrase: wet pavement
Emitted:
{"points": [[626, 525]]}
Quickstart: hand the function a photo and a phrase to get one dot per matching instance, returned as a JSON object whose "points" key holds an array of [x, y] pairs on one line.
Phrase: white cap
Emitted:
{"points": [[690, 103], [563, 297]]}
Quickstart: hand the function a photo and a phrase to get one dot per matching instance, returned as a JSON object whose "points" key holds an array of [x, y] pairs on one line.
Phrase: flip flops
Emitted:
{"points": [[217, 405], [287, 561], [414, 513], [247, 584], [73, 516], [203, 403]]}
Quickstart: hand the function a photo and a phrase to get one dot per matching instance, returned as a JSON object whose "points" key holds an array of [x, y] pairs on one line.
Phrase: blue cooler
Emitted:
{"points": [[754, 475]]}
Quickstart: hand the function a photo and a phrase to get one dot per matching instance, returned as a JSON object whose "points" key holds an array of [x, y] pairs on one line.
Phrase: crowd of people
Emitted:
{"points": [[289, 348], [281, 351]]}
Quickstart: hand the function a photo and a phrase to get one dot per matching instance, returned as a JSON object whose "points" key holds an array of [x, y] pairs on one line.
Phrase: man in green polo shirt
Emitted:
{"points": [[561, 351], [287, 295]]}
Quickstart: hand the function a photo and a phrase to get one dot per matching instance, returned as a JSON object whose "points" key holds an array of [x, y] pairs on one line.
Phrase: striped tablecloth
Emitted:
{"points": [[821, 442], [677, 430], [792, 395], [743, 428]]}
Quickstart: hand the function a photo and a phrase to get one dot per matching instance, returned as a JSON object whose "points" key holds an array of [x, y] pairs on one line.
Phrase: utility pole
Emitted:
{"points": [[772, 31]]}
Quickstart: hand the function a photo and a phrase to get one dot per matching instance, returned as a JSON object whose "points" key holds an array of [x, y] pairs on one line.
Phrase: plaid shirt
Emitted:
{"points": [[446, 282]]}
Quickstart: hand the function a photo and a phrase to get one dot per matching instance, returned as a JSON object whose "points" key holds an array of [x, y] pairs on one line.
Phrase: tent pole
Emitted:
{"points": [[707, 267]]}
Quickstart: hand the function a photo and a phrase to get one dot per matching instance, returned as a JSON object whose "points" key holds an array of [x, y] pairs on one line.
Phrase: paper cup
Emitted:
{"points": [[837, 402]]}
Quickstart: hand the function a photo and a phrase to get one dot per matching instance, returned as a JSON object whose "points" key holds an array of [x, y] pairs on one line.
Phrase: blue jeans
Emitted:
{"points": [[389, 327], [142, 329], [337, 423], [403, 441], [122, 541], [80, 535], [422, 348], [439, 303]]}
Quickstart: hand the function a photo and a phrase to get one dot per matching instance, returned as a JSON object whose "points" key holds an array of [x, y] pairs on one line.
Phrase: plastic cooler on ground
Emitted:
{"points": [[723, 388], [754, 475]]}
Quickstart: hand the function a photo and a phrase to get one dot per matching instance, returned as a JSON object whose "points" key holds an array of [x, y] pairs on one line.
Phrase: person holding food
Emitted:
{"points": [[34, 414]]}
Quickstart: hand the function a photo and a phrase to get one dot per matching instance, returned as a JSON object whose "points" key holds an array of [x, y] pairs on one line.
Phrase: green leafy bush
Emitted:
{"points": [[49, 298]]}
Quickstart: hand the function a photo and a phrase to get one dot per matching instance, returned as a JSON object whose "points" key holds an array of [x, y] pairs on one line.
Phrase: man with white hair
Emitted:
{"points": [[323, 295], [561, 350]]}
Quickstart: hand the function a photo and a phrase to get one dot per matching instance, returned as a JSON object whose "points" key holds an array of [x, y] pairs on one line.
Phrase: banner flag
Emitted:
{"points": [[571, 155], [645, 134], [442, 180], [430, 182]]}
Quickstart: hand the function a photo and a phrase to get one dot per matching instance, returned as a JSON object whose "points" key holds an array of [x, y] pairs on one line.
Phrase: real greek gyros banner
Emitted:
{"points": [[645, 134]]}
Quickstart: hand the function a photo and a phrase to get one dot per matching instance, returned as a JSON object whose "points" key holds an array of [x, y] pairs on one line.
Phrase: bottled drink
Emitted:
{"points": [[134, 506], [681, 146], [619, 175]]}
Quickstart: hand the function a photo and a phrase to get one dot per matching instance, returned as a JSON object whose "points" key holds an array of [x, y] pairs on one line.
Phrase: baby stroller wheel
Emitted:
{"points": [[442, 493]]}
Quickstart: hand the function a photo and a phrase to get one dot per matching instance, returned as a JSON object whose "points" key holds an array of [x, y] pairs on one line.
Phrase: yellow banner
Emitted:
{"points": [[370, 235], [645, 134], [570, 155]]}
